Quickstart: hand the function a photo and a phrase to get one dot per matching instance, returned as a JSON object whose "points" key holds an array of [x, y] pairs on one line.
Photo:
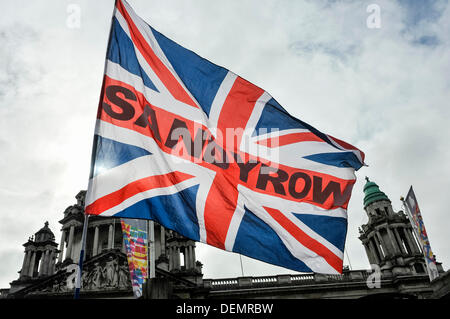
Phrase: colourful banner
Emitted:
{"points": [[415, 216], [135, 240]]}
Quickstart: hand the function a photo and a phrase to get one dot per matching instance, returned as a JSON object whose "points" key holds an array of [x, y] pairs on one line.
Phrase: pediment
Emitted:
{"points": [[107, 272]]}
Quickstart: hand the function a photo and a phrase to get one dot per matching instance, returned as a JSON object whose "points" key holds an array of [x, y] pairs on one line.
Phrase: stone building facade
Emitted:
{"points": [[48, 269], [388, 237]]}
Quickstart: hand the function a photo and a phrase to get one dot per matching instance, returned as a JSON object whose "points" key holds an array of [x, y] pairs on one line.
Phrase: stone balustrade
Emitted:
{"points": [[284, 280]]}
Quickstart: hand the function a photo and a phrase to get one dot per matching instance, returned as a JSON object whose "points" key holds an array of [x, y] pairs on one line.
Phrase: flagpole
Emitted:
{"points": [[94, 151], [242, 268], [432, 270], [151, 251], [150, 257], [80, 263], [348, 258]]}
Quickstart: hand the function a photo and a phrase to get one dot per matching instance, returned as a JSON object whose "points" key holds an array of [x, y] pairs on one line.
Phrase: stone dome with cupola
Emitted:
{"points": [[44, 234], [372, 193]]}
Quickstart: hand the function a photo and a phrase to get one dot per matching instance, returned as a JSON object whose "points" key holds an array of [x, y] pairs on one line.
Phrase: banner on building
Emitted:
{"points": [[412, 208], [135, 240]]}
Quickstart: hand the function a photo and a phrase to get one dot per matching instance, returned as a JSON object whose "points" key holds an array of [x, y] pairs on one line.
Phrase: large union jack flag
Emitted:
{"points": [[204, 152]]}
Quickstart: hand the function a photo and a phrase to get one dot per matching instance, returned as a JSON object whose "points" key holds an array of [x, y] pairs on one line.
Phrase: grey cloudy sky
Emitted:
{"points": [[385, 90]]}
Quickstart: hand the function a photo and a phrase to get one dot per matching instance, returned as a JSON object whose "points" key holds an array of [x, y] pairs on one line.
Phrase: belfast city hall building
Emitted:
{"points": [[48, 268]]}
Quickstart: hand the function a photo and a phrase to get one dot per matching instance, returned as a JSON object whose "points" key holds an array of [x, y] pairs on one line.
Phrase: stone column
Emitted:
{"points": [[163, 240], [124, 249], [51, 263], [95, 246], [113, 239], [399, 240], [26, 264], [374, 251], [61, 246], [394, 245], [410, 238], [193, 256], [369, 254], [70, 243], [172, 254], [174, 260], [42, 264], [46, 263], [401, 231], [188, 256], [110, 236], [381, 244], [33, 260], [378, 247], [177, 257], [157, 241], [169, 252], [384, 244]]}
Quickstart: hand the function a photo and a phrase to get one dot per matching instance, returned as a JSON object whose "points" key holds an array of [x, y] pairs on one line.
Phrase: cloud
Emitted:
{"points": [[427, 40], [421, 21], [418, 12], [17, 70], [334, 50]]}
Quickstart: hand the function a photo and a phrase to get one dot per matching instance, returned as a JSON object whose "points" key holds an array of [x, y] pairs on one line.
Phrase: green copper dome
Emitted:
{"points": [[372, 193]]}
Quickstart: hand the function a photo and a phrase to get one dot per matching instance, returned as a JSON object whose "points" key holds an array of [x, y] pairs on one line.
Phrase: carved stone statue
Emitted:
{"points": [[109, 270], [95, 277], [85, 280], [124, 276], [56, 287], [115, 276], [70, 279]]}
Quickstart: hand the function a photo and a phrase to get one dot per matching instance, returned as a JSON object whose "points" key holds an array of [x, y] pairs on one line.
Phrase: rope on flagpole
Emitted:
{"points": [[242, 268], [349, 263]]}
